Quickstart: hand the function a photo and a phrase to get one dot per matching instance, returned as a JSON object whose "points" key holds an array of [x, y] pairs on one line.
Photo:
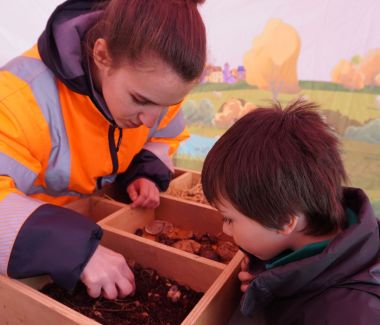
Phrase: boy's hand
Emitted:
{"points": [[244, 276], [107, 274], [144, 194]]}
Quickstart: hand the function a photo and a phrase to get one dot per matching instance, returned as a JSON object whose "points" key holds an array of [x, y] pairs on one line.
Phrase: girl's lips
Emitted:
{"points": [[130, 124]]}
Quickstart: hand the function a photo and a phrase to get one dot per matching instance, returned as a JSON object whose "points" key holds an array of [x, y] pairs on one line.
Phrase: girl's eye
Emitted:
{"points": [[139, 102], [227, 220]]}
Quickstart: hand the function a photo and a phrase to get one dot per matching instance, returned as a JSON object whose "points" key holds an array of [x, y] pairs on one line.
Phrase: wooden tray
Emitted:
{"points": [[181, 214], [22, 303]]}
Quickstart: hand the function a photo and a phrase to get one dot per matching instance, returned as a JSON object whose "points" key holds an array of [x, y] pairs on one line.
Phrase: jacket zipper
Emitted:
{"points": [[114, 149]]}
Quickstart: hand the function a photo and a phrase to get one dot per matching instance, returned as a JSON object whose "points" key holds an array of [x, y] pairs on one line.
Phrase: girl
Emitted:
{"points": [[98, 97]]}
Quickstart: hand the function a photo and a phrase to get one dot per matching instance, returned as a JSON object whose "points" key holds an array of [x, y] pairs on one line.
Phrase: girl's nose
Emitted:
{"points": [[150, 116]]}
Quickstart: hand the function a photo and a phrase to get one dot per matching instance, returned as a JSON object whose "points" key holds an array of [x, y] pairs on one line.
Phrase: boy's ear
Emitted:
{"points": [[101, 55], [289, 227]]}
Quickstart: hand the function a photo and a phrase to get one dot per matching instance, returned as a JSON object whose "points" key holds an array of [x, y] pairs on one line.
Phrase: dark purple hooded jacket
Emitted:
{"points": [[340, 285]]}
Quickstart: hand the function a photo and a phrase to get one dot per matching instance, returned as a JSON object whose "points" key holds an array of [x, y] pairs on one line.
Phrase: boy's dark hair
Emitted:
{"points": [[171, 29], [274, 163]]}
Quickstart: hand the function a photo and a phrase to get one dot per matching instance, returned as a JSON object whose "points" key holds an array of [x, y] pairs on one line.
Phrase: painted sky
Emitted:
{"points": [[330, 30]]}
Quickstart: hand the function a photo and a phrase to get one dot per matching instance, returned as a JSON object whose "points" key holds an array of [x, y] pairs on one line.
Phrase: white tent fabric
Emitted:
{"points": [[21, 22]]}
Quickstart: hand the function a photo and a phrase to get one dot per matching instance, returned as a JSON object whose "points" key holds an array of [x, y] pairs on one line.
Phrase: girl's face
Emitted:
{"points": [[262, 242], [137, 93]]}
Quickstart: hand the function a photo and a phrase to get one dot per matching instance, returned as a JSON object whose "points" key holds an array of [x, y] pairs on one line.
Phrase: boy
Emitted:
{"points": [[313, 245]]}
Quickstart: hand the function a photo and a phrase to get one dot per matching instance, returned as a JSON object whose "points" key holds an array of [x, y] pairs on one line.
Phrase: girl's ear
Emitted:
{"points": [[101, 55], [289, 227]]}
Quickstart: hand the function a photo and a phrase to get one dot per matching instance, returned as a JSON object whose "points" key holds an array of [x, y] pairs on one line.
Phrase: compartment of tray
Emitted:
{"points": [[200, 226]]}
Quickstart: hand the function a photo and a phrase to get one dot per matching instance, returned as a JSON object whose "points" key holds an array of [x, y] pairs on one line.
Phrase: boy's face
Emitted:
{"points": [[262, 242]]}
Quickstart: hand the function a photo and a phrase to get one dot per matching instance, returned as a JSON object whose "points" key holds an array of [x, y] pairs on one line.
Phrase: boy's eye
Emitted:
{"points": [[227, 220]]}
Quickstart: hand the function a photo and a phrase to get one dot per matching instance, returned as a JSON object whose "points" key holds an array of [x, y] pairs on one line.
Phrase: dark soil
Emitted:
{"points": [[150, 305]]}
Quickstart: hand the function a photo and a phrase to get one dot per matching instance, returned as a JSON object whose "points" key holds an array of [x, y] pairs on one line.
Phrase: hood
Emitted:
{"points": [[350, 260], [60, 48]]}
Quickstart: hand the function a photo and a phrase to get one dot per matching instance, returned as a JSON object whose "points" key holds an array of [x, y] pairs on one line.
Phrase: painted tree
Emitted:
{"points": [[198, 114], [377, 80], [348, 75], [271, 63], [370, 67], [232, 110]]}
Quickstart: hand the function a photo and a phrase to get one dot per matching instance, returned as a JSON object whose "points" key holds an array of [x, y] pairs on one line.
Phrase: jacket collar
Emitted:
{"points": [[61, 47]]}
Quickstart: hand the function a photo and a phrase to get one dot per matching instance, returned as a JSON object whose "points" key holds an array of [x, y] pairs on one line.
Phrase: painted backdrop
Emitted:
{"points": [[326, 51]]}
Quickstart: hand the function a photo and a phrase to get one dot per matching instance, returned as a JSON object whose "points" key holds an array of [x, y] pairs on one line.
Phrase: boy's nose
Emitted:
{"points": [[149, 117]]}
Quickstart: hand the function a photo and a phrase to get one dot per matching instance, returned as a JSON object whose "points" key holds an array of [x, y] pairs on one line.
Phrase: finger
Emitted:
{"points": [[244, 263], [123, 270], [143, 195], [139, 202], [144, 198], [132, 192], [151, 203], [156, 198], [157, 202], [125, 287], [244, 287], [245, 276], [125, 281], [128, 274], [109, 291], [144, 203], [94, 291], [153, 200]]}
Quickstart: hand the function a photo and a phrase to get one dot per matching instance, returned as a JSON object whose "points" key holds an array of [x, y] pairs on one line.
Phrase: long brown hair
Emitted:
{"points": [[171, 29]]}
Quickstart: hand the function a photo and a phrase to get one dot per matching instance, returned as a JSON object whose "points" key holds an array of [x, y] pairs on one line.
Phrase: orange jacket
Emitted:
{"points": [[64, 146], [55, 146], [59, 142]]}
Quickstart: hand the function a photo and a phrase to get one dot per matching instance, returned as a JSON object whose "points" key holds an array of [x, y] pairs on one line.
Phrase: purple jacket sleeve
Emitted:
{"points": [[55, 241], [146, 164]]}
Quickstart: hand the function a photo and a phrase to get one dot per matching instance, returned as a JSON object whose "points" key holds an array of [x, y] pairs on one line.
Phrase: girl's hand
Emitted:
{"points": [[244, 276], [144, 194], [107, 274]]}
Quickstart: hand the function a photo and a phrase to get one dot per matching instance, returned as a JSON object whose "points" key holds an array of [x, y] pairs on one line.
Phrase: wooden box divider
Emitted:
{"points": [[94, 207]]}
